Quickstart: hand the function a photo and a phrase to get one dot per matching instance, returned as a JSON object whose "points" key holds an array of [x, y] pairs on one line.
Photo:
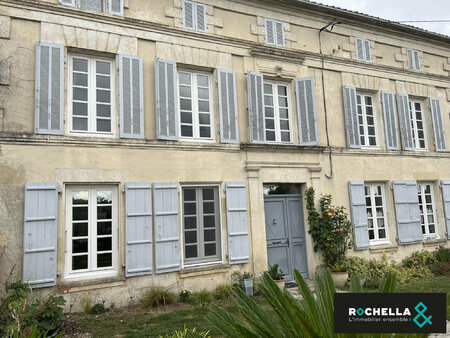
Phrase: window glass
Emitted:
{"points": [[376, 212], [427, 208], [417, 124], [276, 112], [366, 120]]}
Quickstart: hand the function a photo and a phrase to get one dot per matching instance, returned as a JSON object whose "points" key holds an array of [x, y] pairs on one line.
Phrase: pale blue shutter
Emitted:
{"points": [[279, 33], [167, 227], [237, 223], [229, 129], [270, 28], [359, 214], [446, 198], [405, 121], [407, 211], [359, 49], [166, 99], [49, 88], [367, 51], [115, 7], [138, 229], [307, 112], [438, 124], [188, 14], [131, 96], [40, 233], [390, 121], [256, 107], [351, 117], [200, 17], [67, 2]]}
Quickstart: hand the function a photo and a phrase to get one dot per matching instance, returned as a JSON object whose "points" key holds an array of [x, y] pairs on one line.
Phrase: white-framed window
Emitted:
{"points": [[194, 16], [427, 208], [366, 120], [376, 212], [91, 96], [103, 6], [91, 231], [414, 59], [417, 124], [277, 113], [363, 51], [201, 224], [274, 31], [195, 105]]}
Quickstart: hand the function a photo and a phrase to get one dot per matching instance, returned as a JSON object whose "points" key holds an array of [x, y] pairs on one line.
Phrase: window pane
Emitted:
{"points": [[80, 213], [189, 194], [103, 110], [190, 222], [267, 88], [270, 135], [282, 101], [104, 260], [80, 197], [205, 132], [202, 80], [381, 233], [285, 136], [92, 5], [103, 96], [284, 125], [371, 235], [268, 100], [208, 194], [80, 109], [103, 67], [80, 79], [203, 106], [79, 262], [282, 90], [80, 94], [184, 78], [190, 237], [203, 93], [186, 131], [208, 207], [79, 229], [432, 229], [270, 124], [104, 244], [80, 65], [210, 235], [79, 245], [104, 212], [269, 111], [204, 119], [104, 228], [283, 113], [186, 117], [185, 104], [210, 249], [103, 125], [190, 251], [190, 209], [209, 221], [103, 81], [185, 91]]}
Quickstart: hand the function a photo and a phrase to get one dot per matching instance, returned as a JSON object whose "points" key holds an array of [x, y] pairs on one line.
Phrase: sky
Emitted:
{"points": [[399, 10]]}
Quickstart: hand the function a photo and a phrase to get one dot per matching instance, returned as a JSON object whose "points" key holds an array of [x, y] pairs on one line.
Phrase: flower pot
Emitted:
{"points": [[280, 283], [339, 278], [247, 285]]}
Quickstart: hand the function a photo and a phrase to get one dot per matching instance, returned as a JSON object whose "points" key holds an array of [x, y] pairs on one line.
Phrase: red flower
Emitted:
{"points": [[330, 214]]}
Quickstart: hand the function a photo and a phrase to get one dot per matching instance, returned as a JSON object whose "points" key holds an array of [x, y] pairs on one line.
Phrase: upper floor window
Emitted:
{"points": [[195, 102], [194, 16], [366, 120], [414, 59], [274, 32], [91, 95], [363, 52], [417, 124], [376, 211], [427, 208], [276, 112], [104, 6]]}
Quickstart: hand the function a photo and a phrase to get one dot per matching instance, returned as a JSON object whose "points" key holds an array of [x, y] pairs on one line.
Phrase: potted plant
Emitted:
{"points": [[245, 280], [332, 234], [277, 275]]}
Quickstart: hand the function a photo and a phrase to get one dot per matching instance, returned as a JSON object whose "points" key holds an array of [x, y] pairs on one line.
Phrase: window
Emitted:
{"points": [[194, 16], [111, 6], [363, 52], [376, 212], [274, 32], [417, 124], [196, 116], [276, 112], [91, 230], [201, 224], [366, 120], [427, 209], [414, 59], [91, 95]]}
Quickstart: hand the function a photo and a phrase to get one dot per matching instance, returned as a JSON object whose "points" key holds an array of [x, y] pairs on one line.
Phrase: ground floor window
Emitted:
{"points": [[376, 212], [427, 208], [201, 224], [91, 230]]}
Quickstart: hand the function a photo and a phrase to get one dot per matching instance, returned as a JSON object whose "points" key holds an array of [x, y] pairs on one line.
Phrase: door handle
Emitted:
{"points": [[274, 221]]}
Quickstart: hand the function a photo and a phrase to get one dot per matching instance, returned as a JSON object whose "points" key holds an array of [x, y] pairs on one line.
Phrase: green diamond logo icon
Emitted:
{"points": [[360, 311]]}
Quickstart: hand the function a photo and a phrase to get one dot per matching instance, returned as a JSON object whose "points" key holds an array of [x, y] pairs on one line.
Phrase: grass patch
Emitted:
{"points": [[158, 296]]}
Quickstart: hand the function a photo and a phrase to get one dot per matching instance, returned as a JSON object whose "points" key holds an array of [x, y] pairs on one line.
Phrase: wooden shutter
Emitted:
{"points": [[405, 121], [256, 107], [359, 214], [359, 49], [237, 222], [229, 129], [270, 35], [166, 99], [67, 2], [351, 117], [49, 88], [438, 124], [131, 94], [200, 17], [188, 14], [115, 7], [40, 233], [409, 229], [279, 33], [390, 121], [138, 229], [167, 227], [307, 112], [446, 198]]}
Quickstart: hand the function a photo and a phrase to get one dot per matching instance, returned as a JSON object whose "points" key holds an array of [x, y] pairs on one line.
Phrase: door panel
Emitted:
{"points": [[297, 235], [275, 219]]}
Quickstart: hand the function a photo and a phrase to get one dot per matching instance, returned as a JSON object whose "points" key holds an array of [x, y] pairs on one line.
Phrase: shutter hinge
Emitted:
{"points": [[58, 274]]}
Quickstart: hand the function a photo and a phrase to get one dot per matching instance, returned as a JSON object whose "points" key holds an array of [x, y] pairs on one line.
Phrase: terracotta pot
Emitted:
{"points": [[280, 283], [339, 278]]}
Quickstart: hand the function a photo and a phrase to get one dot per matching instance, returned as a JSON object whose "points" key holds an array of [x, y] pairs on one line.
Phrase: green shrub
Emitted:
{"points": [[99, 308], [202, 297], [441, 268], [442, 254], [22, 314], [158, 296], [419, 259], [275, 272], [223, 291], [187, 333], [184, 296]]}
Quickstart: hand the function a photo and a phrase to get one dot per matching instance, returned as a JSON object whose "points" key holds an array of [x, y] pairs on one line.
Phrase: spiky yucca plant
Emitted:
{"points": [[313, 316]]}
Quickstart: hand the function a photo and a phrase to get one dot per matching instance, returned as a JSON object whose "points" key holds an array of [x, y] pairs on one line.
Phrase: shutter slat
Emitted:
{"points": [[256, 107], [49, 88], [131, 96], [307, 112], [166, 99], [270, 35], [229, 131], [200, 11], [237, 223], [167, 228], [115, 7], [359, 215], [438, 125], [351, 117], [40, 234], [188, 14], [405, 121], [446, 199], [138, 229], [409, 229], [390, 121]]}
